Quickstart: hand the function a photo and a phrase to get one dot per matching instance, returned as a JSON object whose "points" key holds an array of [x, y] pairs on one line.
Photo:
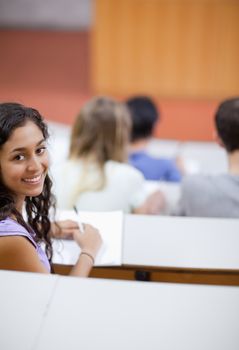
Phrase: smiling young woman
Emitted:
{"points": [[25, 183], [24, 162]]}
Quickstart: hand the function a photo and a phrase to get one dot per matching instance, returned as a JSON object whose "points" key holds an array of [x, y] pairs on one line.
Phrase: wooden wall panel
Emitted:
{"points": [[46, 69], [50, 71], [41, 59], [171, 48]]}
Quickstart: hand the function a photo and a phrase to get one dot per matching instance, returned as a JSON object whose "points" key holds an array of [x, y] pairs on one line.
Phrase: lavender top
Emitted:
{"points": [[10, 227]]}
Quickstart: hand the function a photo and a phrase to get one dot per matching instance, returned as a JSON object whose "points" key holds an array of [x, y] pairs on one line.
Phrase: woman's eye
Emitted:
{"points": [[19, 157], [41, 150]]}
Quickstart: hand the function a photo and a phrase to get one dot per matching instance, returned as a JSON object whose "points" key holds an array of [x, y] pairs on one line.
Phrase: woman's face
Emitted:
{"points": [[24, 162]]}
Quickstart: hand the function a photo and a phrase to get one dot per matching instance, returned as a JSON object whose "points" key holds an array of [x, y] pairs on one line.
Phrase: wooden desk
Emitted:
{"points": [[176, 249]]}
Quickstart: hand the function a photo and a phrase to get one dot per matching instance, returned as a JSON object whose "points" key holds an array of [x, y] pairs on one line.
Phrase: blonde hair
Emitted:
{"points": [[100, 133]]}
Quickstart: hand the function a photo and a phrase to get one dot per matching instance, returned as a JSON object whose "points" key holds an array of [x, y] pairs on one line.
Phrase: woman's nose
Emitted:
{"points": [[33, 164]]}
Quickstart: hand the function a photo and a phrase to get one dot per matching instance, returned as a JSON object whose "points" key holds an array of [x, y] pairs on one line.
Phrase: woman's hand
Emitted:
{"points": [[89, 241], [154, 204], [64, 229]]}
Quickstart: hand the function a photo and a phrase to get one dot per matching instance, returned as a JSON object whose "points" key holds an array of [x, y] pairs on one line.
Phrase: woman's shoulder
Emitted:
{"points": [[10, 227], [62, 172]]}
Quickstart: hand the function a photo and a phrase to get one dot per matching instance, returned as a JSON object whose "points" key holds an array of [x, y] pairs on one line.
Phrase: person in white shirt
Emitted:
{"points": [[96, 176]]}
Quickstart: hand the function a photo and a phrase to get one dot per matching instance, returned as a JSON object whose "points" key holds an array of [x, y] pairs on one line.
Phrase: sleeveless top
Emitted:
{"points": [[10, 227]]}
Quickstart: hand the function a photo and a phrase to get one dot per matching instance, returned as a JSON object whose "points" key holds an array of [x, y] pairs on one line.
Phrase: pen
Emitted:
{"points": [[81, 225]]}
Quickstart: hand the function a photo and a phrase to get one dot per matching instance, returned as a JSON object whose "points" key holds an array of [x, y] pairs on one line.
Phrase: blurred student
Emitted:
{"points": [[144, 115], [216, 195], [95, 176], [25, 184]]}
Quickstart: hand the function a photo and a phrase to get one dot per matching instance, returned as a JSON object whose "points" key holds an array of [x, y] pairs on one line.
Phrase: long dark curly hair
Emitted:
{"points": [[12, 116]]}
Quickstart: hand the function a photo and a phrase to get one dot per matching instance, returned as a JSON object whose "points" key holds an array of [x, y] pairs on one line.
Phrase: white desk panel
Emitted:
{"points": [[24, 298], [102, 314], [181, 242]]}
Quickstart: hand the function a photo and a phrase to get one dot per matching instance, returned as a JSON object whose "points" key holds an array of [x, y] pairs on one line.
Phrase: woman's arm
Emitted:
{"points": [[17, 253]]}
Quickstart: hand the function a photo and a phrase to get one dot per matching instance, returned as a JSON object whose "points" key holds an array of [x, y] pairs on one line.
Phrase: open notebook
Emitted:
{"points": [[110, 226]]}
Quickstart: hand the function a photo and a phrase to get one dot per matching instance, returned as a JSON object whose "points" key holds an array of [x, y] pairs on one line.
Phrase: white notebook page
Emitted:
{"points": [[110, 226]]}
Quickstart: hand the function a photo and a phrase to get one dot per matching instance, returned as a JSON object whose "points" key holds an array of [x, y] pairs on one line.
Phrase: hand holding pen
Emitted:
{"points": [[81, 225], [88, 238]]}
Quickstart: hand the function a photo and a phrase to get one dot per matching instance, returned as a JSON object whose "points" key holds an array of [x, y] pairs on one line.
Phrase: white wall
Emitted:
{"points": [[61, 14]]}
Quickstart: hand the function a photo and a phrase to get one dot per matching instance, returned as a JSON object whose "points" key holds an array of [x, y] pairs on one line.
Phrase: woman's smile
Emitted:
{"points": [[33, 180]]}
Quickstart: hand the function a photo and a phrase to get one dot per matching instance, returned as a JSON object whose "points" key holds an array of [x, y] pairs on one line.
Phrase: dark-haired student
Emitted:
{"points": [[144, 115], [25, 184], [216, 195]]}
